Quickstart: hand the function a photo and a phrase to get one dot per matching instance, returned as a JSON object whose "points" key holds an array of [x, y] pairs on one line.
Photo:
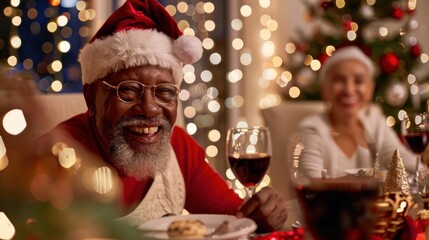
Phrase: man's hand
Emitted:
{"points": [[267, 208]]}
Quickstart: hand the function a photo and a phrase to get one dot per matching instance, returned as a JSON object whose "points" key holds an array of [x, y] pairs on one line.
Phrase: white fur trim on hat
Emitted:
{"points": [[188, 49], [346, 53], [126, 49]]}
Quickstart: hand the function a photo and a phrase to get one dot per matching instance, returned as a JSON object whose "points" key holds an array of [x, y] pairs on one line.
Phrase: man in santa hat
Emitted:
{"points": [[131, 73]]}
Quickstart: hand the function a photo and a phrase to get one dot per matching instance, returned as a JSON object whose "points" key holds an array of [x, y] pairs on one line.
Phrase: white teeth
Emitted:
{"points": [[153, 129], [145, 130]]}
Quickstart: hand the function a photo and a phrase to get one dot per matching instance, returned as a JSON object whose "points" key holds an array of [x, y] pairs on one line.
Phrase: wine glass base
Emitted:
{"points": [[250, 191]]}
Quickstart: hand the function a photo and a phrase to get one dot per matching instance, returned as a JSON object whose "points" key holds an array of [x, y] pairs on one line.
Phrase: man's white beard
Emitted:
{"points": [[145, 161]]}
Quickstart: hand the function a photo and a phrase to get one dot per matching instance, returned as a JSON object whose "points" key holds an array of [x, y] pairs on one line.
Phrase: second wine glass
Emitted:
{"points": [[415, 133], [249, 151]]}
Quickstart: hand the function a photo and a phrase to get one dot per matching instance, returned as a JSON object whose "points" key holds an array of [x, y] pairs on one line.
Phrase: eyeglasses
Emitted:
{"points": [[131, 91]]}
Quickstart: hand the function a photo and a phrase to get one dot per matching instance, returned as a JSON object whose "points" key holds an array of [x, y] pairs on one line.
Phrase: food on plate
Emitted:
{"points": [[187, 228]]}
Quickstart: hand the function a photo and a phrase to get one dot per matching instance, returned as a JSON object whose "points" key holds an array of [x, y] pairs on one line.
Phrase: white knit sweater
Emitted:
{"points": [[166, 195], [321, 153]]}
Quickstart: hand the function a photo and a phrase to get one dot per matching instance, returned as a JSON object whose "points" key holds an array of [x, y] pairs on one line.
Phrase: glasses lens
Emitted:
{"points": [[166, 93], [129, 91]]}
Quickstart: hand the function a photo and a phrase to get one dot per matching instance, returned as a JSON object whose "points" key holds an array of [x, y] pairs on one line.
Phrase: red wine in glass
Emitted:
{"points": [[417, 141], [249, 169]]}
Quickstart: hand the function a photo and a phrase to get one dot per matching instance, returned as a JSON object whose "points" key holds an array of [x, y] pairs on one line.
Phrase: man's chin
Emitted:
{"points": [[145, 162], [138, 147], [140, 160]]}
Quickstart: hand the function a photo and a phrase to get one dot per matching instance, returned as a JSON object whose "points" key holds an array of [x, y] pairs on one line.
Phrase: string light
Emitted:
{"points": [[14, 121], [50, 47]]}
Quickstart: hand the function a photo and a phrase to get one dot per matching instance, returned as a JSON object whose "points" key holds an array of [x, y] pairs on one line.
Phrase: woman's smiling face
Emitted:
{"points": [[348, 86]]}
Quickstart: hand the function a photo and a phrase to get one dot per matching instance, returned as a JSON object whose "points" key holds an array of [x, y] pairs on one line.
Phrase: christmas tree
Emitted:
{"points": [[382, 29]]}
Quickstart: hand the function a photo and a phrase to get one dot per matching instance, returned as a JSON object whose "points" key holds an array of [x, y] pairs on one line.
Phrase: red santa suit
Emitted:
{"points": [[189, 182]]}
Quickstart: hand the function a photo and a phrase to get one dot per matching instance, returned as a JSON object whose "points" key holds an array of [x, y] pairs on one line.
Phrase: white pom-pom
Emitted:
{"points": [[188, 49]]}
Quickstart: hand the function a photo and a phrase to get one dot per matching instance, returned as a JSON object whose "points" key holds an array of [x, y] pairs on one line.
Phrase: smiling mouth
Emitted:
{"points": [[348, 100], [144, 130]]}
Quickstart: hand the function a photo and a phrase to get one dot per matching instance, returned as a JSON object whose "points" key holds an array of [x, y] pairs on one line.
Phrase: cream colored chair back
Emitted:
{"points": [[282, 121], [55, 108]]}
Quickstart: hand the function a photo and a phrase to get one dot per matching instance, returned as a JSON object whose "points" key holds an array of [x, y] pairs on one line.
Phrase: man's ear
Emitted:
{"points": [[89, 93]]}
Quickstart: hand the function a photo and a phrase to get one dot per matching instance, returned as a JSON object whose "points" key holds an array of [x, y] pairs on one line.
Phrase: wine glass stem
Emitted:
{"points": [[416, 179], [250, 191], [418, 159]]}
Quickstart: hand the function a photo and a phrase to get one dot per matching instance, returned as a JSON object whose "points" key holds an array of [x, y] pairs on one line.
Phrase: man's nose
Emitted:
{"points": [[148, 104]]}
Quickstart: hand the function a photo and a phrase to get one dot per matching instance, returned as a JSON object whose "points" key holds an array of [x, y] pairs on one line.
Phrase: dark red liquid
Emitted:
{"points": [[249, 169], [339, 210], [417, 141]]}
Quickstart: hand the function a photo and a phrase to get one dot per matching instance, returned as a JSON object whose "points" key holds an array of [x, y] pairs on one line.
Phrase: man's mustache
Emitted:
{"points": [[139, 121]]}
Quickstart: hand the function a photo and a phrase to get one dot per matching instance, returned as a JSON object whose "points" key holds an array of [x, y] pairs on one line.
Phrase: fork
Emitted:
{"points": [[221, 229], [361, 172]]}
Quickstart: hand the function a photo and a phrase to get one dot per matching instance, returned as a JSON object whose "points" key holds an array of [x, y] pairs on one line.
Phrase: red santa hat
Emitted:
{"points": [[346, 53], [140, 32]]}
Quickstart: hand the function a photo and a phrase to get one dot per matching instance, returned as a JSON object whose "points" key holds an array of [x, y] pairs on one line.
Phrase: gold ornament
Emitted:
{"points": [[396, 178], [391, 210], [395, 202]]}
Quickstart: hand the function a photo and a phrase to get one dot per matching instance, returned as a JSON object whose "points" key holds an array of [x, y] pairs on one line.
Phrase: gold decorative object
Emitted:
{"points": [[396, 178], [391, 210], [395, 202]]}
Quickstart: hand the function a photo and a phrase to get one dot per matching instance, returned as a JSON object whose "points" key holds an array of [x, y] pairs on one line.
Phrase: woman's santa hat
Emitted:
{"points": [[346, 53], [141, 32]]}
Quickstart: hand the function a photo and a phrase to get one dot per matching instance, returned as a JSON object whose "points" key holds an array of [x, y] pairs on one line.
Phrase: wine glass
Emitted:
{"points": [[415, 134], [249, 150], [332, 208], [337, 208]]}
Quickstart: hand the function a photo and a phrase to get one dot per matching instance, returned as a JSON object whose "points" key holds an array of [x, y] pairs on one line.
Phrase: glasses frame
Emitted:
{"points": [[153, 87]]}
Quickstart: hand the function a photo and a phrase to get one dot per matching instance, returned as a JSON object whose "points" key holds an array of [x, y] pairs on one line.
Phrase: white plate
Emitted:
{"points": [[354, 171], [240, 227]]}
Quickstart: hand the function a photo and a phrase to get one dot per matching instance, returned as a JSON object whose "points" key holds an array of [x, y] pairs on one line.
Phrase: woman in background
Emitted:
{"points": [[352, 130]]}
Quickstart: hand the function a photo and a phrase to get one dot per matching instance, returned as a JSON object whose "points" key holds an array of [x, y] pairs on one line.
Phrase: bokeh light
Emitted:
{"points": [[14, 122], [7, 230]]}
